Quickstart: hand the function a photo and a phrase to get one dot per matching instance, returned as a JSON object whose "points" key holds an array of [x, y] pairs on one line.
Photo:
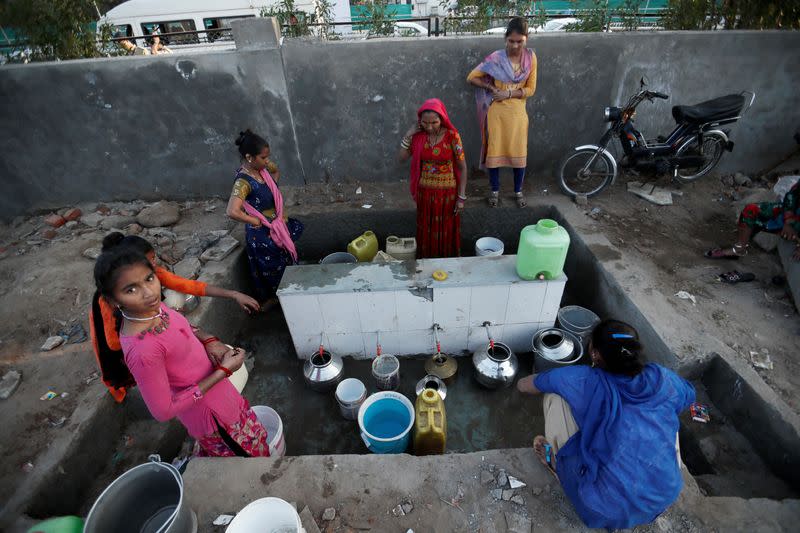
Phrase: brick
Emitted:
{"points": [[72, 214], [54, 220]]}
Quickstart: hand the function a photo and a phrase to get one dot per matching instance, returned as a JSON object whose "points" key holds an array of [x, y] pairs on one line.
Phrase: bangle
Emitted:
{"points": [[462, 198], [209, 340], [227, 372]]}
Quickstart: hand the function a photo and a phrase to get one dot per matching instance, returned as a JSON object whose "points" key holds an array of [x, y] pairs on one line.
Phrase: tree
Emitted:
{"points": [[55, 29], [376, 16], [593, 18], [293, 22], [629, 13]]}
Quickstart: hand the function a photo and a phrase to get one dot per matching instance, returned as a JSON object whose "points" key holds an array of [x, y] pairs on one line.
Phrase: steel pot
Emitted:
{"points": [[495, 367], [323, 370], [442, 366], [555, 348], [431, 382]]}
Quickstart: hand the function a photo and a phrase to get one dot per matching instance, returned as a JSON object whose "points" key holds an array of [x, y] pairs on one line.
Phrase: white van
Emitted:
{"points": [[138, 19]]}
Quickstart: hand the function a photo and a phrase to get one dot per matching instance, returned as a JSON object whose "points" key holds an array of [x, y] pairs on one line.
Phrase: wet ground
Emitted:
{"points": [[477, 418]]}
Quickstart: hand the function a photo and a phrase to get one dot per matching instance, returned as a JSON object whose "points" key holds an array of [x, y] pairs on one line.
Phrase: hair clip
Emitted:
{"points": [[621, 336], [626, 352]]}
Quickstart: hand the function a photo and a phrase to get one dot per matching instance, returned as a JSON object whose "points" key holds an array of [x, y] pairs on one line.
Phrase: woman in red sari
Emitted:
{"points": [[438, 180]]}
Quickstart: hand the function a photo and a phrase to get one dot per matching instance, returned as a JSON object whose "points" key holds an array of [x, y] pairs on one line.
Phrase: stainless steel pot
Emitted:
{"points": [[555, 348], [149, 498], [431, 382], [495, 367], [323, 370]]}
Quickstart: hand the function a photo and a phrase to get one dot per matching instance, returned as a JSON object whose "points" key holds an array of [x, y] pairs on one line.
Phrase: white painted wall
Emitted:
{"points": [[350, 306]]}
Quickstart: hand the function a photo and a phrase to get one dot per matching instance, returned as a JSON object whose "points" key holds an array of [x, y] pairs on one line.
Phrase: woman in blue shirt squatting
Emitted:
{"points": [[611, 430]]}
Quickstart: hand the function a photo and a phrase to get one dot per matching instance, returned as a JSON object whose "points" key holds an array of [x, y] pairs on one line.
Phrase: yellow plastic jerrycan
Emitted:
{"points": [[430, 426], [365, 247]]}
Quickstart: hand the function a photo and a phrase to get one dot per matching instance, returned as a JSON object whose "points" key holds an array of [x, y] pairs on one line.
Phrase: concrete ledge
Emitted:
{"points": [[256, 33], [365, 488]]}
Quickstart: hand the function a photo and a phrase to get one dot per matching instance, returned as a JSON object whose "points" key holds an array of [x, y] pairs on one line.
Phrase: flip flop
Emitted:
{"points": [[544, 452], [735, 276], [722, 253]]}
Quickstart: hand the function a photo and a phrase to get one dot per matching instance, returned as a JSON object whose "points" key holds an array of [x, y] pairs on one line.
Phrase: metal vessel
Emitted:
{"points": [[495, 365], [431, 382], [323, 370], [555, 348]]}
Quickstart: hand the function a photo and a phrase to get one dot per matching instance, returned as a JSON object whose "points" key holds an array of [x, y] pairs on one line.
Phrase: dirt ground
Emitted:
{"points": [[46, 286]]}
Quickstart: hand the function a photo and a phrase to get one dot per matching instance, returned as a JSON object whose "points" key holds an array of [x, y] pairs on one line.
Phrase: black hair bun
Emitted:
{"points": [[111, 240], [242, 136]]}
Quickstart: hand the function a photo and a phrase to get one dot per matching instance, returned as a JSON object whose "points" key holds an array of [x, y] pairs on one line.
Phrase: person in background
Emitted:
{"points": [[611, 430], [156, 46], [257, 201], [168, 360], [104, 320], [782, 218], [438, 180], [503, 82]]}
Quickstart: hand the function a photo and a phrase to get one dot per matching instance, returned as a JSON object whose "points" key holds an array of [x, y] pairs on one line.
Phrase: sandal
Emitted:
{"points": [[735, 276], [544, 452], [725, 253], [494, 197], [520, 199]]}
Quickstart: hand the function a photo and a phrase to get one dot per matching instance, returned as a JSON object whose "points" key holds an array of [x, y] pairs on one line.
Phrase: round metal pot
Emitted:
{"points": [[555, 348], [495, 367], [442, 366], [148, 498], [431, 382], [323, 371]]}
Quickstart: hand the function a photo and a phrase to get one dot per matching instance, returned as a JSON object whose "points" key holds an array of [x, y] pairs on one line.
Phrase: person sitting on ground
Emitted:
{"points": [[774, 217], [104, 320], [167, 357], [611, 430]]}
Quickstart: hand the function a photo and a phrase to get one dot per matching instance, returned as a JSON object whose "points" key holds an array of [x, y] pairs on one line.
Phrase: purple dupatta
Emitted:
{"points": [[497, 66]]}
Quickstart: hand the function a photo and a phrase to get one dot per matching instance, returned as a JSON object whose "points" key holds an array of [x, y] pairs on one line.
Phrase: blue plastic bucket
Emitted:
{"points": [[385, 420]]}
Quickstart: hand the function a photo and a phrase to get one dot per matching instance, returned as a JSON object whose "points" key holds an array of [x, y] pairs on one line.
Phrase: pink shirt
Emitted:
{"points": [[167, 367]]}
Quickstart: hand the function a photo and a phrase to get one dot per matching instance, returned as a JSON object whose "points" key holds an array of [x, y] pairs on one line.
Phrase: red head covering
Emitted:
{"points": [[418, 142]]}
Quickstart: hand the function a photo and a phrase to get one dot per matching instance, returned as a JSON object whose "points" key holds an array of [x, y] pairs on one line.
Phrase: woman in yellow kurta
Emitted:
{"points": [[504, 81]]}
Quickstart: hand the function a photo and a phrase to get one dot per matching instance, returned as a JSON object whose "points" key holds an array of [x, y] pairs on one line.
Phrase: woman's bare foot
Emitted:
{"points": [[544, 452], [521, 202], [494, 198]]}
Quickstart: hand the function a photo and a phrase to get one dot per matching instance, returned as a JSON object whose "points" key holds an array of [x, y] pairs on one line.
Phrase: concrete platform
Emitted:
{"points": [[446, 494]]}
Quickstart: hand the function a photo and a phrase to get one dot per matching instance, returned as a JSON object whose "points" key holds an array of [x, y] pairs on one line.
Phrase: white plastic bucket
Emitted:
{"points": [[489, 246], [385, 421], [272, 421], [266, 514], [239, 378], [350, 394]]}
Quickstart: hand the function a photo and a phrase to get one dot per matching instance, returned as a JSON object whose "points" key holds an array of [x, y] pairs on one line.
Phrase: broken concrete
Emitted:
{"points": [[220, 250], [162, 213], [650, 192], [9, 384]]}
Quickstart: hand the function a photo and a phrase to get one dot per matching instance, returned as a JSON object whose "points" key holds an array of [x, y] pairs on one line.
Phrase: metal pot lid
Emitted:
{"points": [[441, 366], [554, 344], [432, 382]]}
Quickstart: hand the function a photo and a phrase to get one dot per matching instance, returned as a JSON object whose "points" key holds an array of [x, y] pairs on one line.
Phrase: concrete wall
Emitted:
{"points": [[152, 127]]}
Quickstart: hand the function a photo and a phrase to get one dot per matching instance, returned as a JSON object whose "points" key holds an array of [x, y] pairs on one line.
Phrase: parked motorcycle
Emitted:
{"points": [[692, 150]]}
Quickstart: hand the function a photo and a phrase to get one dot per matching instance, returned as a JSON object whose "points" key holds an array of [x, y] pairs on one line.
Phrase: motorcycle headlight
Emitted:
{"points": [[610, 114]]}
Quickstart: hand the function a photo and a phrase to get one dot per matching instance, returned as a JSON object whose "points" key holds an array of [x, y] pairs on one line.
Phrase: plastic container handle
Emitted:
{"points": [[366, 441]]}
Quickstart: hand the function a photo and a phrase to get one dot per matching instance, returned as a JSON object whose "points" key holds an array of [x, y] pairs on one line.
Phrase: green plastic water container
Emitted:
{"points": [[542, 250], [62, 524]]}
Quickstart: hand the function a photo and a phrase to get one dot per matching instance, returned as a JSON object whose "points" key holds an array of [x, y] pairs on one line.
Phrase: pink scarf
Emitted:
{"points": [[278, 231], [418, 142]]}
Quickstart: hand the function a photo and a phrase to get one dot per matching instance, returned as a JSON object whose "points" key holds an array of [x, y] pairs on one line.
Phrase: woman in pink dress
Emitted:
{"points": [[167, 357]]}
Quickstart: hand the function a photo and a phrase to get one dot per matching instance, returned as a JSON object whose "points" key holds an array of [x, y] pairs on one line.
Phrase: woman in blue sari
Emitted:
{"points": [[257, 201]]}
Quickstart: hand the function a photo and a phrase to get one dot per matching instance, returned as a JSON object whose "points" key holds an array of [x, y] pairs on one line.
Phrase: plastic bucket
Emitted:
{"points": [[386, 371], [147, 498], [385, 420], [338, 257], [578, 321], [266, 514], [272, 421], [350, 394], [489, 246]]}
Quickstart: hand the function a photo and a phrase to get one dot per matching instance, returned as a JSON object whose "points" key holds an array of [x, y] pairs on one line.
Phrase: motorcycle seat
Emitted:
{"points": [[709, 111]]}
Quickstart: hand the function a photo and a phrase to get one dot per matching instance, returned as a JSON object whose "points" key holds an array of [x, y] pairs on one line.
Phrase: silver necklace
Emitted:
{"points": [[134, 319]]}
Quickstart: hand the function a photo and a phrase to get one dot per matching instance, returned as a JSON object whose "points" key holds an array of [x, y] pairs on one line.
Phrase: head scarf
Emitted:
{"points": [[497, 66], [418, 142]]}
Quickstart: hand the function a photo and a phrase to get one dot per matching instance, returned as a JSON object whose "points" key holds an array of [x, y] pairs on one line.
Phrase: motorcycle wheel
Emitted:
{"points": [[574, 179], [713, 148]]}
